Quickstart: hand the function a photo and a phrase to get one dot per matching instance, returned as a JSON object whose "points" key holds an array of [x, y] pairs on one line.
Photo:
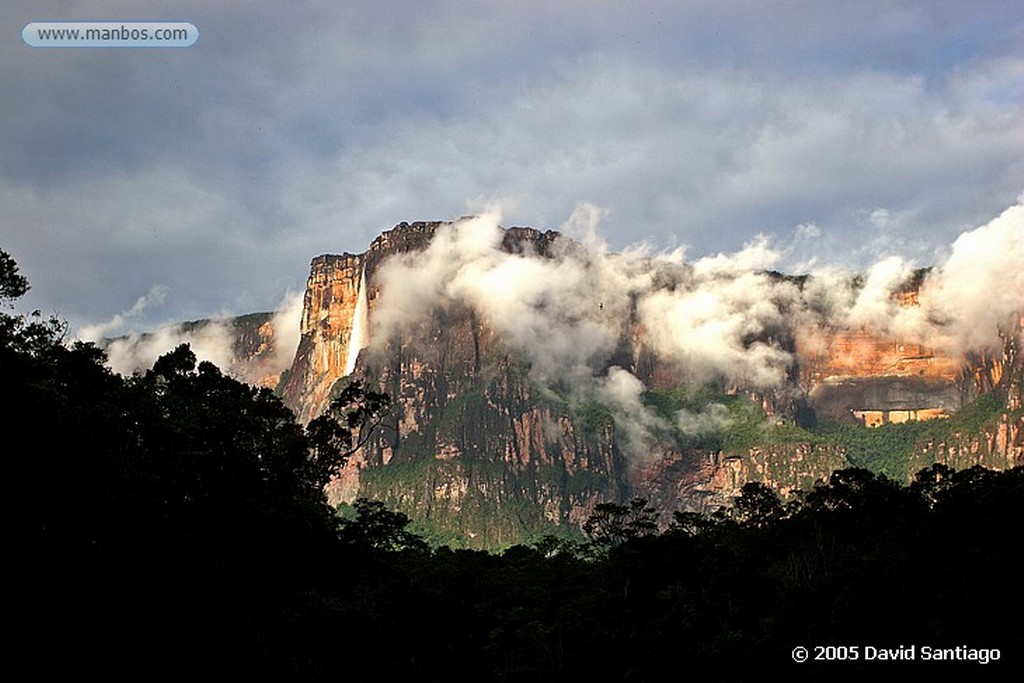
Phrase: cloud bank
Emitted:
{"points": [[294, 129], [726, 319], [256, 357]]}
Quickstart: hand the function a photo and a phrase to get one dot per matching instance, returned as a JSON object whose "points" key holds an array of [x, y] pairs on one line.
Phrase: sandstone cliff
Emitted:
{"points": [[473, 446], [480, 450], [246, 347], [328, 315]]}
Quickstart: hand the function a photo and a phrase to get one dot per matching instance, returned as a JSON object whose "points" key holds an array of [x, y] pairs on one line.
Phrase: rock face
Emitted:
{"points": [[473, 446], [245, 347], [480, 452], [999, 443], [997, 446], [254, 345], [328, 316], [876, 380]]}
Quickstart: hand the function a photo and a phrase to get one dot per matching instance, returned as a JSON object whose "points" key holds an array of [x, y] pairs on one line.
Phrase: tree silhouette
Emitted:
{"points": [[376, 527], [757, 505], [184, 506], [348, 423], [13, 285], [612, 524]]}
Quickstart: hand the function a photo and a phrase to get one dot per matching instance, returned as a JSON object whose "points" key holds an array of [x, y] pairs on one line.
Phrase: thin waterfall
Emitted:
{"points": [[360, 320]]}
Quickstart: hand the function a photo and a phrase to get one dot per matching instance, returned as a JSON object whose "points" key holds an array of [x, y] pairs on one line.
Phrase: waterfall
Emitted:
{"points": [[360, 319]]}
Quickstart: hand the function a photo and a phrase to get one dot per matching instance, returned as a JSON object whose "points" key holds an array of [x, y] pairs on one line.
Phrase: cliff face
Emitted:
{"points": [[472, 445], [876, 380], [245, 347], [477, 448], [254, 346], [998, 446], [328, 315], [998, 443]]}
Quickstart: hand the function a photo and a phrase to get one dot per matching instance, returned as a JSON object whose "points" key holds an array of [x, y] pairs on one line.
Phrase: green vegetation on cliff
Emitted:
{"points": [[889, 449], [721, 422], [474, 503], [489, 498]]}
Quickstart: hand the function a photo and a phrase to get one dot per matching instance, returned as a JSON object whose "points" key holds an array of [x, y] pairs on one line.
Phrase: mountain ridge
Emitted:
{"points": [[480, 447], [515, 419]]}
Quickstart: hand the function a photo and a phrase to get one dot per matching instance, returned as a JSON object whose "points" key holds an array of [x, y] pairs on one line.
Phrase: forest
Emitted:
{"points": [[174, 524]]}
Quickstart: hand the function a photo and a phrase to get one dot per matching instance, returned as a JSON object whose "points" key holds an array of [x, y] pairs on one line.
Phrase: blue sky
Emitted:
{"points": [[208, 177]]}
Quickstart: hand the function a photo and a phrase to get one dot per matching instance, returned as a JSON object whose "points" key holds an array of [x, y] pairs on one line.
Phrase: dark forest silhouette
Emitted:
{"points": [[174, 524]]}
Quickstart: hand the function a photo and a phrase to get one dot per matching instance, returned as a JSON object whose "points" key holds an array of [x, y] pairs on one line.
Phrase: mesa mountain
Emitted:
{"points": [[533, 377]]}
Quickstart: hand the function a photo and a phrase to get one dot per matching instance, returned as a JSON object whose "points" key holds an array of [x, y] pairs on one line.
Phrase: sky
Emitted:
{"points": [[141, 186]]}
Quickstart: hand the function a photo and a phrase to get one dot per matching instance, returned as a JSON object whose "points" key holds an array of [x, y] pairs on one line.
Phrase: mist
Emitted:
{"points": [[726, 319], [132, 352], [718, 319]]}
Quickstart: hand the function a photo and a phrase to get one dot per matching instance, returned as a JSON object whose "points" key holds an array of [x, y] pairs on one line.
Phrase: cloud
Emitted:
{"points": [[715, 329], [723, 319], [963, 302], [287, 321], [136, 353], [980, 287], [873, 305], [286, 132], [268, 352], [806, 231], [118, 324], [637, 424], [714, 418]]}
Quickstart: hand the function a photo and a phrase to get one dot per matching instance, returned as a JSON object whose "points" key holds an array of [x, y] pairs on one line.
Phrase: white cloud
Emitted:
{"points": [[119, 323], [238, 161], [719, 319]]}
